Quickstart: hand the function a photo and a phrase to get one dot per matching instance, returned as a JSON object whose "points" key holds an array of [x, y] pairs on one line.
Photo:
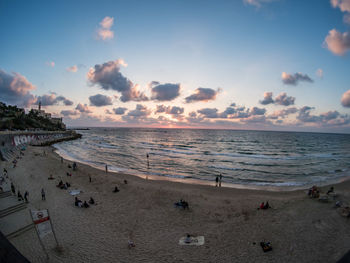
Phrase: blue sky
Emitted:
{"points": [[234, 50]]}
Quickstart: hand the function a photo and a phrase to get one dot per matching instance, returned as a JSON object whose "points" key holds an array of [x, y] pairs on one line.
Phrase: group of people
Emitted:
{"points": [[182, 203], [265, 205], [314, 192], [218, 180], [62, 185], [84, 204]]}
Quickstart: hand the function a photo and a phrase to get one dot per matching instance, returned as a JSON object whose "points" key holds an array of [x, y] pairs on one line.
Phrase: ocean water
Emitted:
{"points": [[244, 158]]}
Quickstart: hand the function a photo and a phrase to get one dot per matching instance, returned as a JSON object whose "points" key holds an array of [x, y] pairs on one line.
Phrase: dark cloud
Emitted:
{"points": [[69, 112], [100, 100], [202, 94], [165, 92], [119, 110], [52, 99], [294, 79], [345, 99], [15, 89], [174, 110], [108, 77], [284, 100], [83, 108], [140, 111], [281, 99], [257, 111], [210, 113], [267, 99]]}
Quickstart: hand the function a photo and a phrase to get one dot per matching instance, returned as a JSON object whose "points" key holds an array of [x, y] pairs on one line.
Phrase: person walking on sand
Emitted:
{"points": [[26, 196], [220, 179], [43, 194], [89, 178], [216, 181]]}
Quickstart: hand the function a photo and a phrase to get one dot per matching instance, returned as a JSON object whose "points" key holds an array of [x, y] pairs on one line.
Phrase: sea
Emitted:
{"points": [[246, 159]]}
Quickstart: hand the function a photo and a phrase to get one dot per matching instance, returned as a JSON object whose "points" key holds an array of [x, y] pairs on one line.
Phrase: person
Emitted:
{"points": [[43, 197], [262, 205], [131, 244], [116, 189], [86, 205], [147, 160], [266, 206], [188, 239], [220, 179], [106, 168], [26, 196], [19, 196], [60, 184], [74, 166], [125, 182], [50, 178], [5, 172], [216, 180], [13, 189], [77, 202], [91, 201], [331, 190]]}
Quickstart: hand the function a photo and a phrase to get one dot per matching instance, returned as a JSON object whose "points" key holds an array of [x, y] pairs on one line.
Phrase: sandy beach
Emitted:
{"points": [[299, 228]]}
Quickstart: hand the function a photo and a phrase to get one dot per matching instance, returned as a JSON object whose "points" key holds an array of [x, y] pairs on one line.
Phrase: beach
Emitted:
{"points": [[299, 228]]}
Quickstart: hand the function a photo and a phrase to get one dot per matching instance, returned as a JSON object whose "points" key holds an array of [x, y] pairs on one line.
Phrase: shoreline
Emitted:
{"points": [[143, 212], [272, 188]]}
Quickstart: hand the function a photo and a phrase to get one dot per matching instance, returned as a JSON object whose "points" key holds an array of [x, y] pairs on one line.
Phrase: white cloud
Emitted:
{"points": [[105, 32], [72, 69], [294, 79], [50, 64], [319, 72], [345, 99], [257, 3], [338, 43]]}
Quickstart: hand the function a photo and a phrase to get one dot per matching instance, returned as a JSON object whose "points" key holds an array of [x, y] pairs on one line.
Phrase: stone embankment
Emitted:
{"points": [[12, 141]]}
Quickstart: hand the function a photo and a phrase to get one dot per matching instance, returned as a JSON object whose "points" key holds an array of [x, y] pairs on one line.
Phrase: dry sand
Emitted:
{"points": [[300, 229]]}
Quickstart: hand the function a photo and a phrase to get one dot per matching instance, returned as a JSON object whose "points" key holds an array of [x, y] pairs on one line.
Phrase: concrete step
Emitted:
{"points": [[12, 209], [5, 194], [20, 231]]}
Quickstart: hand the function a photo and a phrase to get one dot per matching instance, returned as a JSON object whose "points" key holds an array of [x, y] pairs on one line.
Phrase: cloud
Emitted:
{"points": [[281, 99], [100, 100], [119, 110], [72, 69], [344, 6], [319, 72], [15, 89], [165, 92], [282, 113], [50, 64], [257, 3], [267, 99], [338, 43], [69, 112], [52, 99], [202, 94], [209, 112], [108, 76], [345, 99], [140, 113], [174, 110], [284, 100], [257, 111], [105, 32], [83, 108], [294, 79]]}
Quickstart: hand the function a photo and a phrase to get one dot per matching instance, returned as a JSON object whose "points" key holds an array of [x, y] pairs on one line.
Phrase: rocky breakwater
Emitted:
{"points": [[12, 141]]}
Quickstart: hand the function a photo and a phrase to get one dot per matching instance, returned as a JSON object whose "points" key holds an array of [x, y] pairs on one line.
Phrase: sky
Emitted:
{"points": [[243, 64]]}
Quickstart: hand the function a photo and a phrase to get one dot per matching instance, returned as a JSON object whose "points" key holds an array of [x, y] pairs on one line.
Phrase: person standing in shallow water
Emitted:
{"points": [[216, 181], [106, 168], [147, 160], [220, 179]]}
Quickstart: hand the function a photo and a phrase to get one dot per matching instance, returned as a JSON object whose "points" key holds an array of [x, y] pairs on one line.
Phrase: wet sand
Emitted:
{"points": [[300, 229]]}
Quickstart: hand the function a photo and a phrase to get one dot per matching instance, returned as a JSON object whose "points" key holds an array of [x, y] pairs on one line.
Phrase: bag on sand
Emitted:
{"points": [[266, 246]]}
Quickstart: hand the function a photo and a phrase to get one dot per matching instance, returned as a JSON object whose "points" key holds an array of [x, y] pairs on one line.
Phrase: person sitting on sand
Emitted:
{"points": [[86, 205], [116, 190], [331, 190], [60, 184], [262, 205], [266, 206], [131, 244], [91, 201], [125, 182], [78, 202], [51, 178]]}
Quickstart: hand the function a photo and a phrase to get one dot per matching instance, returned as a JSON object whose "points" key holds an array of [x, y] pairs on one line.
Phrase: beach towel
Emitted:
{"points": [[195, 241], [74, 192]]}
